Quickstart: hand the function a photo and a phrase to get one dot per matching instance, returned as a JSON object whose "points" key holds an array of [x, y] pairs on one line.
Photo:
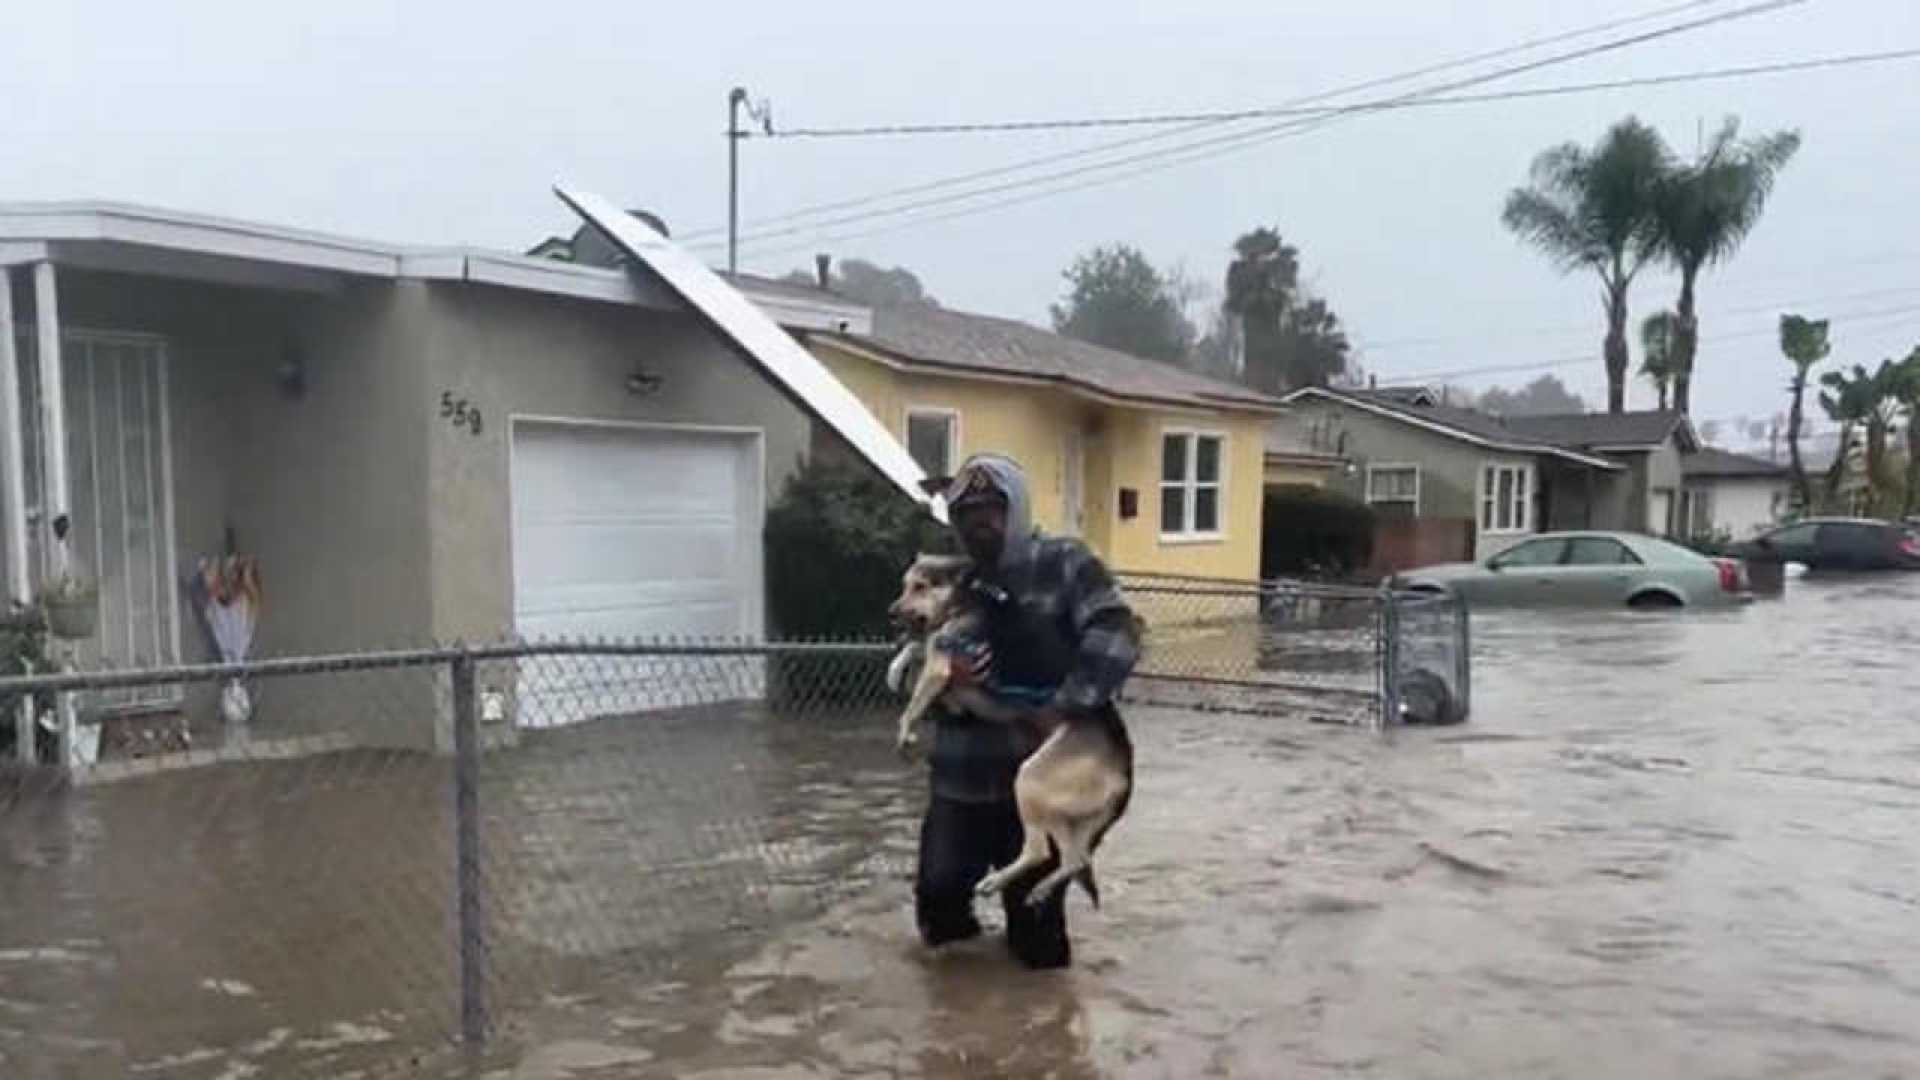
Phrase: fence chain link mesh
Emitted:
{"points": [[337, 889]]}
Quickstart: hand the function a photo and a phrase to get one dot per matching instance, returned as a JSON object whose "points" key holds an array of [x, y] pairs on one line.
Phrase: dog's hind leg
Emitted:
{"points": [[1074, 861]]}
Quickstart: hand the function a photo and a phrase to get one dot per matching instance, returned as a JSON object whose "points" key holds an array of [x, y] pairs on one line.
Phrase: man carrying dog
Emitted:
{"points": [[1059, 625]]}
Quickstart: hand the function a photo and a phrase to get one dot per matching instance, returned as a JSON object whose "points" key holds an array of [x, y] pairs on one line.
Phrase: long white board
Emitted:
{"points": [[759, 339]]}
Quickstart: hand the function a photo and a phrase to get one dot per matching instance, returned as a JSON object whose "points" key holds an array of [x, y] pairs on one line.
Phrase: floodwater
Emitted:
{"points": [[1664, 846]]}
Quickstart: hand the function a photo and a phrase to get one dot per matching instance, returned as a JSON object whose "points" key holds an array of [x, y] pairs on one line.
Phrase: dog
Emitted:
{"points": [[1071, 790]]}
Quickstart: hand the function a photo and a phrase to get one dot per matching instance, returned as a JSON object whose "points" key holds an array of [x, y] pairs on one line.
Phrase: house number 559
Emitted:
{"points": [[459, 413]]}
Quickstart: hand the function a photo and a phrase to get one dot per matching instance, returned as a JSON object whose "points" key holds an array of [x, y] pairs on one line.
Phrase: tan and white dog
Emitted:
{"points": [[1070, 790]]}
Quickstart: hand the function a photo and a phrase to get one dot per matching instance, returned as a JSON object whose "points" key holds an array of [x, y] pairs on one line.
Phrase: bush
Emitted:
{"points": [[1314, 533], [837, 541]]}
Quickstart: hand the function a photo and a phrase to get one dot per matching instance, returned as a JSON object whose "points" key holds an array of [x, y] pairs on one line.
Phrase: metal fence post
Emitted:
{"points": [[466, 815], [1463, 655], [1389, 658]]}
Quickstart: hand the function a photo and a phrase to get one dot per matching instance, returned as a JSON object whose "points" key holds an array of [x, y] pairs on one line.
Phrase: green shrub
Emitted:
{"points": [[1315, 533], [837, 541]]}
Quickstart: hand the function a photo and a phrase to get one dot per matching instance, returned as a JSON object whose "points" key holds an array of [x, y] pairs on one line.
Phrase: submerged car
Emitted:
{"points": [[1594, 569], [1838, 544]]}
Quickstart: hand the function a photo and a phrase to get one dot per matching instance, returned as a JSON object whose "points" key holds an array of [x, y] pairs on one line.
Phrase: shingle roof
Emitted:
{"points": [[1711, 462], [942, 337], [1467, 423], [1596, 430]]}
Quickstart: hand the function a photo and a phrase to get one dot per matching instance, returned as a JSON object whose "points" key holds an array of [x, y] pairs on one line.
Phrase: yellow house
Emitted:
{"points": [[1160, 470]]}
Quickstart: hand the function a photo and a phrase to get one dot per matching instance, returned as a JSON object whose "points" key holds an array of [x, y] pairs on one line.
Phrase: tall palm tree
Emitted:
{"points": [[1261, 282], [1656, 352], [1705, 211], [1805, 343], [1849, 400], [1593, 209], [1906, 391]]}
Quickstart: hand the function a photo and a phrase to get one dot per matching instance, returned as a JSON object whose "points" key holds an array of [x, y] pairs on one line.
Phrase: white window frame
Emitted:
{"points": [[952, 416], [1190, 485], [1394, 466], [1486, 511]]}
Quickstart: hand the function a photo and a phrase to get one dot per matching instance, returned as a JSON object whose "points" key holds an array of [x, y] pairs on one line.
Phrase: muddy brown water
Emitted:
{"points": [[1664, 846]]}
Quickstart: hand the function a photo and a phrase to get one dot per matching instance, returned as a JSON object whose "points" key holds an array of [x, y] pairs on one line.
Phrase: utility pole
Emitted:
{"points": [[736, 99]]}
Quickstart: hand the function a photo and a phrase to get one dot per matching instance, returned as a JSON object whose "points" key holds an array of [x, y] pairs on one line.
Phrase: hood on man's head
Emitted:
{"points": [[996, 474]]}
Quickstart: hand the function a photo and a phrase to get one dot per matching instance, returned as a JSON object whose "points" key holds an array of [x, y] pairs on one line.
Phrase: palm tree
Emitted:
{"points": [[1594, 209], [1805, 343], [1906, 391], [1656, 352], [1705, 211], [1849, 400], [1261, 282]]}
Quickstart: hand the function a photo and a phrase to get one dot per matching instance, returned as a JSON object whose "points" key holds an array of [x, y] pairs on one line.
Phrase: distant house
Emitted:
{"points": [[1490, 480], [1159, 469], [1730, 494]]}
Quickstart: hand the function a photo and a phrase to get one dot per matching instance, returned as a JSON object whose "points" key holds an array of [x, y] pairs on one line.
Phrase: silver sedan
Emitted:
{"points": [[1594, 569]]}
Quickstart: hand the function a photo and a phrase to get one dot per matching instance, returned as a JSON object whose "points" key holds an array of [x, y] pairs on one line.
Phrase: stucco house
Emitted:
{"points": [[1158, 469], [1732, 495], [417, 445], [1491, 480]]}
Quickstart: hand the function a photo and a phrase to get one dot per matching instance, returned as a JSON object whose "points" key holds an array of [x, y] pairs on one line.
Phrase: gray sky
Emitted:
{"points": [[442, 123]]}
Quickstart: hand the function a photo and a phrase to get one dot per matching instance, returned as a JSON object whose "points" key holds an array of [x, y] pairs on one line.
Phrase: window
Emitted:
{"points": [[1599, 551], [1531, 553], [933, 438], [1394, 489], [1506, 499], [1190, 484]]}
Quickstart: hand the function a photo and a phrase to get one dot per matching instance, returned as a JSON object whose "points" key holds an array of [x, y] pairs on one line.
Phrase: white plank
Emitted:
{"points": [[760, 339]]}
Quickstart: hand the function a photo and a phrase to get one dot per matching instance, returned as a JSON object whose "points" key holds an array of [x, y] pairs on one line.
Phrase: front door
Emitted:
{"points": [[120, 482], [1660, 512], [1073, 482]]}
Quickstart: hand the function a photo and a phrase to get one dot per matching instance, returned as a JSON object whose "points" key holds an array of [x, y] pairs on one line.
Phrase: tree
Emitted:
{"points": [[1544, 396], [1850, 400], [858, 279], [1593, 209], [1287, 338], [1120, 301], [1906, 392], [1705, 211], [1656, 352], [1804, 341]]}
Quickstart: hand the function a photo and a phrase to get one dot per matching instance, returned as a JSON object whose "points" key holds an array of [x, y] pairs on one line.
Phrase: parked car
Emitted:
{"points": [[1838, 544], [1596, 569]]}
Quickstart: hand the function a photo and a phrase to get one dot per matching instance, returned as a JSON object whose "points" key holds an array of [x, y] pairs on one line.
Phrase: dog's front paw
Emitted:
{"points": [[907, 745]]}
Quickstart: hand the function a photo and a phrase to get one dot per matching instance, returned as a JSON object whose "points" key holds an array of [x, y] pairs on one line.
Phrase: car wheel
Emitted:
{"points": [[1654, 601]]}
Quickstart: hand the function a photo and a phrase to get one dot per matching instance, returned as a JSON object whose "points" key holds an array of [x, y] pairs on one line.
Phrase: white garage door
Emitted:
{"points": [[633, 534]]}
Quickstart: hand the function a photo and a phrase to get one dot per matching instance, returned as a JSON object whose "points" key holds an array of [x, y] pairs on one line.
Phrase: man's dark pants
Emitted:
{"points": [[959, 843]]}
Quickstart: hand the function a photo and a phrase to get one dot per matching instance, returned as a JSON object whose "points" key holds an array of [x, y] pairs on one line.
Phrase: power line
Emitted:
{"points": [[1340, 91], [1567, 329], [1155, 119], [1168, 157], [1571, 361]]}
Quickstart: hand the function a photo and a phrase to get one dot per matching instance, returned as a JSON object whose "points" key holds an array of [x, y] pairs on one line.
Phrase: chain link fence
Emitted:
{"points": [[407, 853]]}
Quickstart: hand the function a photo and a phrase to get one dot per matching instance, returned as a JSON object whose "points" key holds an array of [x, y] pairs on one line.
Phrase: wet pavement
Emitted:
{"points": [[1664, 846]]}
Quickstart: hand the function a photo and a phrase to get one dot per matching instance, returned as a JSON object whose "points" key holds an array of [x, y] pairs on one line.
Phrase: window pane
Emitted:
{"points": [[1206, 510], [1506, 499], [1519, 498], [1598, 551], [1393, 484], [1173, 509], [1173, 458], [1532, 553], [1206, 460], [929, 440]]}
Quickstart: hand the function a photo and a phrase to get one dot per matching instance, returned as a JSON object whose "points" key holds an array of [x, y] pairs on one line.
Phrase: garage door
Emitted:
{"points": [[633, 534]]}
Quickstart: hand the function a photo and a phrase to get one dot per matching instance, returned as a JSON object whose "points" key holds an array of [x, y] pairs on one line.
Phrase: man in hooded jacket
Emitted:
{"points": [[1061, 635]]}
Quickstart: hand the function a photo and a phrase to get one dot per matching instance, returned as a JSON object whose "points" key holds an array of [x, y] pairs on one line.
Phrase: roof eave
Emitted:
{"points": [[897, 358], [1440, 427]]}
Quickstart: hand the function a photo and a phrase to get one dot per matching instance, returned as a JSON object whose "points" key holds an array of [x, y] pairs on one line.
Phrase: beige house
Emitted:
{"points": [[409, 441]]}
